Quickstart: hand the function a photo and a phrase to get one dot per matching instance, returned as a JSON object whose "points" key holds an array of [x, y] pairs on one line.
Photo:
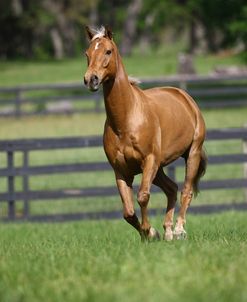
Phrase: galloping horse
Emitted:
{"points": [[146, 130]]}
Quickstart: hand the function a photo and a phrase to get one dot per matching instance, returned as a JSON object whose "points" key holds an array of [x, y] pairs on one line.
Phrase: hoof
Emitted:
{"points": [[180, 234], [153, 235], [168, 236]]}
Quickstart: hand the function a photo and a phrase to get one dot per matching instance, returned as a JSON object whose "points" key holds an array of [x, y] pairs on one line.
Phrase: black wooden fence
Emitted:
{"points": [[209, 91], [11, 196]]}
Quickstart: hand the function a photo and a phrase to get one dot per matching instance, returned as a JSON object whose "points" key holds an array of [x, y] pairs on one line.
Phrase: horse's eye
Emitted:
{"points": [[108, 52]]}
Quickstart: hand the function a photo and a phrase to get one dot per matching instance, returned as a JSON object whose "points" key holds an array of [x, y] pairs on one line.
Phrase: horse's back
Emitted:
{"points": [[164, 96]]}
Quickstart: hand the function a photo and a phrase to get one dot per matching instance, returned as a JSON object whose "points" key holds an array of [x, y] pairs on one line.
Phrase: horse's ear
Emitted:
{"points": [[108, 32], [89, 33]]}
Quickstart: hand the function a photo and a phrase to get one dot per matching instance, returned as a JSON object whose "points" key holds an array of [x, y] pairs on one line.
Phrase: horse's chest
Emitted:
{"points": [[123, 151], [128, 158]]}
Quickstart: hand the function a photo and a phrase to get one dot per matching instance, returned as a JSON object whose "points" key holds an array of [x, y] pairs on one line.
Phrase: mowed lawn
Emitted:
{"points": [[106, 261]]}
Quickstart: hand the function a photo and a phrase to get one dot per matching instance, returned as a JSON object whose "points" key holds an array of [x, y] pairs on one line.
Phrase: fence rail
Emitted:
{"points": [[11, 196], [209, 91]]}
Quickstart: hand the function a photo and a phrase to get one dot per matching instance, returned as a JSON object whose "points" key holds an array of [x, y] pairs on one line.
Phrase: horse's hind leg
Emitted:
{"points": [[170, 188], [192, 168]]}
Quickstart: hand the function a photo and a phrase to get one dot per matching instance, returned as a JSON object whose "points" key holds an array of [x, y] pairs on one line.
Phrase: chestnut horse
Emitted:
{"points": [[146, 130]]}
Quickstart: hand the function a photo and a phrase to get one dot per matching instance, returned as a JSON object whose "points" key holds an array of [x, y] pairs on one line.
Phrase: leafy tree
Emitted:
{"points": [[238, 28]]}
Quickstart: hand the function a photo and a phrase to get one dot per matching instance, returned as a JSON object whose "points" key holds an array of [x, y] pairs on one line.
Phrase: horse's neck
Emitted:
{"points": [[119, 100]]}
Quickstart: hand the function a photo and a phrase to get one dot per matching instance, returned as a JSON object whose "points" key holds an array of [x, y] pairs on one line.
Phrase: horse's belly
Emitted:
{"points": [[175, 147]]}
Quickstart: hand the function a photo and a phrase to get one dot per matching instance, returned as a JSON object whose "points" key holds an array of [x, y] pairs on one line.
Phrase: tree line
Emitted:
{"points": [[54, 28]]}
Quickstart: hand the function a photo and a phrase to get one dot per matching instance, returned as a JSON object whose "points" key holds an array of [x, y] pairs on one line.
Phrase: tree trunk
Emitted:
{"points": [[129, 31], [147, 35], [93, 14], [64, 36], [17, 7], [192, 36], [211, 39], [57, 43]]}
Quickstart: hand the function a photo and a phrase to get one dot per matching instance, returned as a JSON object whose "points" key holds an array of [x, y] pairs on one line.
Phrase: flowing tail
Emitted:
{"points": [[200, 172]]}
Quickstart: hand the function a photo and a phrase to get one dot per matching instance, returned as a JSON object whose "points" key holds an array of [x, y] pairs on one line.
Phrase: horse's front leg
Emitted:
{"points": [[126, 192], [150, 169]]}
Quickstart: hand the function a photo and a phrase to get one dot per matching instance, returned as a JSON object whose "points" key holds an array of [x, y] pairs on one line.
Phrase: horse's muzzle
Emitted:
{"points": [[92, 83]]}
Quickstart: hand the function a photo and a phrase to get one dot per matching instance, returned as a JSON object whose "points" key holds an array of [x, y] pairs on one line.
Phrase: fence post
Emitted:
{"points": [[26, 184], [245, 163], [183, 83], [18, 103], [11, 201]]}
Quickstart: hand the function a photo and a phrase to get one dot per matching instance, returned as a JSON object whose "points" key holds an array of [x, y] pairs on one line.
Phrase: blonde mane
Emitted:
{"points": [[134, 81]]}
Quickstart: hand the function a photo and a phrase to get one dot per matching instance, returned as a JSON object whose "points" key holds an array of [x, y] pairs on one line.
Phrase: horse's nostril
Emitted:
{"points": [[94, 79], [92, 82]]}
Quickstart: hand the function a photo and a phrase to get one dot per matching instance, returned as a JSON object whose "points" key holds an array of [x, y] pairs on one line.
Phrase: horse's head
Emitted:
{"points": [[100, 57]]}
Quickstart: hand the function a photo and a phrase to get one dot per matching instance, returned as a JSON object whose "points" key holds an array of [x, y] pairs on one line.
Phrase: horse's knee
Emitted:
{"points": [[143, 198]]}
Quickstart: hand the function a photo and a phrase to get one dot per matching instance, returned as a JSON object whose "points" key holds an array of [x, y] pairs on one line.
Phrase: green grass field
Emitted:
{"points": [[105, 261]]}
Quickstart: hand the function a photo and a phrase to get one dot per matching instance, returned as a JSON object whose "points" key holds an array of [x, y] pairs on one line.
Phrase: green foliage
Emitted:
{"points": [[218, 16], [239, 29]]}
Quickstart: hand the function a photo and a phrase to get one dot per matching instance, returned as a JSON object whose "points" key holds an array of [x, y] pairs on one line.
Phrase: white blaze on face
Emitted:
{"points": [[96, 46]]}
